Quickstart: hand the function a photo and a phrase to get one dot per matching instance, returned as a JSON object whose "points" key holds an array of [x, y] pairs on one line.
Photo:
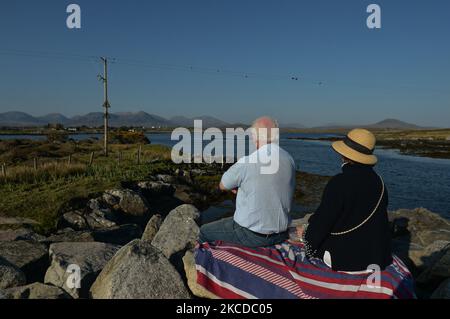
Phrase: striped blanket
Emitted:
{"points": [[283, 272]]}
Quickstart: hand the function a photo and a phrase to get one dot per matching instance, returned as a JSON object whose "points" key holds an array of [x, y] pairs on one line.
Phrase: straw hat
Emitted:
{"points": [[358, 146]]}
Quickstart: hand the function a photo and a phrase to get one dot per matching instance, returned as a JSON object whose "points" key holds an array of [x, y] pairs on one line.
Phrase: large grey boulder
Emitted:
{"points": [[191, 276], [35, 291], [152, 228], [156, 189], [130, 202], [69, 235], [439, 267], [443, 291], [86, 259], [10, 275], [179, 231], [19, 234], [118, 235], [16, 222], [421, 226], [30, 257], [139, 271]]}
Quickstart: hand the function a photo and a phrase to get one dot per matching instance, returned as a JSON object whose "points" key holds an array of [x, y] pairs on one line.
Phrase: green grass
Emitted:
{"points": [[41, 194]]}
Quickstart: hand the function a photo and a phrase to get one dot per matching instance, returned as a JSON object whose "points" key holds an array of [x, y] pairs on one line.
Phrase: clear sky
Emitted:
{"points": [[401, 71]]}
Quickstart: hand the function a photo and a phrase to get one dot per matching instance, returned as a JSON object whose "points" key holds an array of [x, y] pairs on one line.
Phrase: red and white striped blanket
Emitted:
{"points": [[283, 272]]}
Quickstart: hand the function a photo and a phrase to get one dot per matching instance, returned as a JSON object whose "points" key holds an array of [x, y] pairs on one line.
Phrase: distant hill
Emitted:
{"points": [[54, 118], [19, 119], [394, 124], [208, 121], [95, 119], [385, 124]]}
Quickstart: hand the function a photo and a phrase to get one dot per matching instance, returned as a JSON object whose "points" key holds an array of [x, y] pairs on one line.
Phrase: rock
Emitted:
{"points": [[16, 222], [20, 234], [100, 220], [152, 228], [70, 236], [439, 266], [30, 257], [10, 275], [110, 199], [139, 271], [118, 235], [422, 226], [94, 204], [130, 202], [156, 189], [35, 291], [301, 221], [90, 257], [74, 220], [443, 291], [178, 232], [191, 275], [169, 179]]}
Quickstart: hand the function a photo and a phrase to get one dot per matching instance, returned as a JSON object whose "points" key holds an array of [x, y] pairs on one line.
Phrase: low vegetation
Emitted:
{"points": [[39, 192]]}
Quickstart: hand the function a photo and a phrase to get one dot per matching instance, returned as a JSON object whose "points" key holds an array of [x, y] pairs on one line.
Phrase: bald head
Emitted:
{"points": [[265, 131]]}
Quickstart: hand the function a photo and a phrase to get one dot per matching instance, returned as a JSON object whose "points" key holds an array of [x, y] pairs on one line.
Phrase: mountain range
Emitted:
{"points": [[95, 119], [143, 119]]}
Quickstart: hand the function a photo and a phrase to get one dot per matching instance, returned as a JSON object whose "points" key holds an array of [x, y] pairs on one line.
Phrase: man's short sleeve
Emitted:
{"points": [[233, 177]]}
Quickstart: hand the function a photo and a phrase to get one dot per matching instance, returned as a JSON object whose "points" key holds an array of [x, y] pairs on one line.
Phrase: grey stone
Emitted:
{"points": [[179, 231], [443, 291], [35, 291], [20, 234], [30, 257], [139, 271], [152, 228], [74, 220], [100, 220], [10, 275], [130, 202], [90, 257], [156, 189]]}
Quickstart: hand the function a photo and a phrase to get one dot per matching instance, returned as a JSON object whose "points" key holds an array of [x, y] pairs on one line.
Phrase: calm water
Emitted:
{"points": [[412, 181]]}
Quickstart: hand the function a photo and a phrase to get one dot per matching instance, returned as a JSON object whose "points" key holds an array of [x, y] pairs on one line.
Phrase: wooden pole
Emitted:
{"points": [[106, 104], [70, 159], [138, 155], [35, 163], [91, 159], [4, 170]]}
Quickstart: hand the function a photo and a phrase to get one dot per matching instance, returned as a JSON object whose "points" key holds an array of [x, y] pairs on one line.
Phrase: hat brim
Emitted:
{"points": [[341, 148]]}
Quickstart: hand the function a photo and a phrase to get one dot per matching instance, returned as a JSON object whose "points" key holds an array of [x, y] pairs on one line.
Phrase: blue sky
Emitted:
{"points": [[401, 71]]}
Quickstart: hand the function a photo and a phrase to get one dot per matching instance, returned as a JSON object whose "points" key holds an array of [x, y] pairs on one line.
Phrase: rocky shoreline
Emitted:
{"points": [[414, 147], [148, 230]]}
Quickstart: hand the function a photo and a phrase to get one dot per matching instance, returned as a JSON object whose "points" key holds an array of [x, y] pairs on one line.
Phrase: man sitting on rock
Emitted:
{"points": [[264, 194]]}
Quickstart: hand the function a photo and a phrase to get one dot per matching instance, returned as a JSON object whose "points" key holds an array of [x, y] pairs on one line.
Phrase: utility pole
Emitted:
{"points": [[106, 105]]}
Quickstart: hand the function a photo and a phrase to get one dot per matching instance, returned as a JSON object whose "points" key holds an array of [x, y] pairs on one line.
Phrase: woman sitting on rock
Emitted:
{"points": [[350, 229]]}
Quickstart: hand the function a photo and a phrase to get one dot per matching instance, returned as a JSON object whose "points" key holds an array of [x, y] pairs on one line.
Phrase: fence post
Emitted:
{"points": [[4, 170], [70, 159], [119, 157], [35, 163], [91, 159], [139, 154]]}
